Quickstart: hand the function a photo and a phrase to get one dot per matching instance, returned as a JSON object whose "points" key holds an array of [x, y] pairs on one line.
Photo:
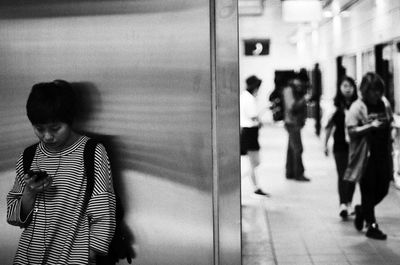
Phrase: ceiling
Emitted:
{"points": [[256, 7]]}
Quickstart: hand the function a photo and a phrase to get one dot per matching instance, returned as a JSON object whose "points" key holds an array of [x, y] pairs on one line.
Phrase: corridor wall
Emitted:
{"points": [[366, 24]]}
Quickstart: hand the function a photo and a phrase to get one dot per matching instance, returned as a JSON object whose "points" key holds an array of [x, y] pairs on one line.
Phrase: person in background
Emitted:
{"points": [[249, 126], [295, 116], [316, 96], [48, 201], [369, 127], [346, 94]]}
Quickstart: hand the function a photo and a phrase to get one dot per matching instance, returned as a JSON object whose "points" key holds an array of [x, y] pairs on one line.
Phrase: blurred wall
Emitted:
{"points": [[161, 78], [282, 54], [366, 24]]}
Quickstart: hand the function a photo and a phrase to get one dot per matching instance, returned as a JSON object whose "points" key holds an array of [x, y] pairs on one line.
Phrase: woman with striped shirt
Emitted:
{"points": [[59, 226]]}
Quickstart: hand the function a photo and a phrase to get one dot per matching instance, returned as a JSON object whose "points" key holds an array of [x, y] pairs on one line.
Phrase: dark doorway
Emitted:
{"points": [[384, 67]]}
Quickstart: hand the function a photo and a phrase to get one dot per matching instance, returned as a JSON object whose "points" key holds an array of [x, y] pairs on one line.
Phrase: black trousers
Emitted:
{"points": [[345, 188], [374, 186], [294, 161]]}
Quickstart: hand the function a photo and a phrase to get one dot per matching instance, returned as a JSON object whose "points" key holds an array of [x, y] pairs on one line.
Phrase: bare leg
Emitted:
{"points": [[254, 163], [254, 158]]}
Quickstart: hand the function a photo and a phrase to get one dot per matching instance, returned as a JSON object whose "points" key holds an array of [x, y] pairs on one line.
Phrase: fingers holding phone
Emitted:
{"points": [[376, 123], [37, 181]]}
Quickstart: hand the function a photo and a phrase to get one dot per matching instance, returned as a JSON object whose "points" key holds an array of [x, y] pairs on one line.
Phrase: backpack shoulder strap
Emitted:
{"points": [[28, 155], [88, 160]]}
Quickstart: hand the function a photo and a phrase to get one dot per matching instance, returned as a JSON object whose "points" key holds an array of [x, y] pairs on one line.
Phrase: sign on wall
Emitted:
{"points": [[255, 47]]}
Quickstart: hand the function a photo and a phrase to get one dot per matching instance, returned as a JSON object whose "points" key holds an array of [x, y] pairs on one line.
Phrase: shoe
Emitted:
{"points": [[302, 178], [343, 212], [260, 192], [374, 232], [359, 219], [289, 176]]}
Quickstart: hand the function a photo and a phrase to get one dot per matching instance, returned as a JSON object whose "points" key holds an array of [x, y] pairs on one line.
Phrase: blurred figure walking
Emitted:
{"points": [[249, 126], [295, 117], [346, 94], [316, 96], [369, 127]]}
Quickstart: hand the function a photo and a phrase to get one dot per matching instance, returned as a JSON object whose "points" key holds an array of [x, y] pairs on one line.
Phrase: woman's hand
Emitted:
{"points": [[376, 123], [34, 183]]}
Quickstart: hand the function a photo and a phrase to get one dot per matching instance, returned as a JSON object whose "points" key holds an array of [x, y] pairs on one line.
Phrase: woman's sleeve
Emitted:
{"points": [[248, 105], [101, 208], [14, 198], [352, 116]]}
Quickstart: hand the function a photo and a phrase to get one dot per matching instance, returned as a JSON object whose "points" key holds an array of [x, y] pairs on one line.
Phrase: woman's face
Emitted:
{"points": [[54, 135], [372, 96], [347, 89]]}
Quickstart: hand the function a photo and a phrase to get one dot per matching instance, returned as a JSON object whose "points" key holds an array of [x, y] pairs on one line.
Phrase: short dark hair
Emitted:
{"points": [[372, 81], [302, 75], [51, 102], [253, 83], [339, 100]]}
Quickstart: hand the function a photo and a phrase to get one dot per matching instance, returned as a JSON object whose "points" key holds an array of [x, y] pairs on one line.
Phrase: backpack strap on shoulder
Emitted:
{"points": [[28, 156], [88, 160]]}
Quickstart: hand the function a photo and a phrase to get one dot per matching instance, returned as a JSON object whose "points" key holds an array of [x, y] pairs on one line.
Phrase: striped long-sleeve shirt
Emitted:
{"points": [[62, 229]]}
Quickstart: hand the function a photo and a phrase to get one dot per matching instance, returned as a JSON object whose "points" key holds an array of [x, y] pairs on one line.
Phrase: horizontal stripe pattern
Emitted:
{"points": [[62, 230]]}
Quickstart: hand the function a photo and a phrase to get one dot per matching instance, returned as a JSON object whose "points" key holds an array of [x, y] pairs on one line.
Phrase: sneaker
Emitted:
{"points": [[359, 219], [374, 232], [260, 192], [343, 211], [302, 178]]}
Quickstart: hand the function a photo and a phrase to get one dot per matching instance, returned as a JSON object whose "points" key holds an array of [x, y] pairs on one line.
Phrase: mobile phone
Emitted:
{"points": [[39, 174], [382, 117]]}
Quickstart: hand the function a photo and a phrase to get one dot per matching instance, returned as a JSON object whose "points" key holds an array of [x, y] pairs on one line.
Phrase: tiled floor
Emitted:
{"points": [[300, 224]]}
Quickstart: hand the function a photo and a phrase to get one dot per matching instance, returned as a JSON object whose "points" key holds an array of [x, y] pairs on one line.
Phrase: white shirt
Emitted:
{"points": [[248, 110]]}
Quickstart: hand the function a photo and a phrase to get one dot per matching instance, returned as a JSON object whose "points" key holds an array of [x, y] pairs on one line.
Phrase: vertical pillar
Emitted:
{"points": [[225, 130]]}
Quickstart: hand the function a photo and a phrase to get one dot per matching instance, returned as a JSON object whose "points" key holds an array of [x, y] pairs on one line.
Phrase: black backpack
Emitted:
{"points": [[277, 106], [120, 246]]}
